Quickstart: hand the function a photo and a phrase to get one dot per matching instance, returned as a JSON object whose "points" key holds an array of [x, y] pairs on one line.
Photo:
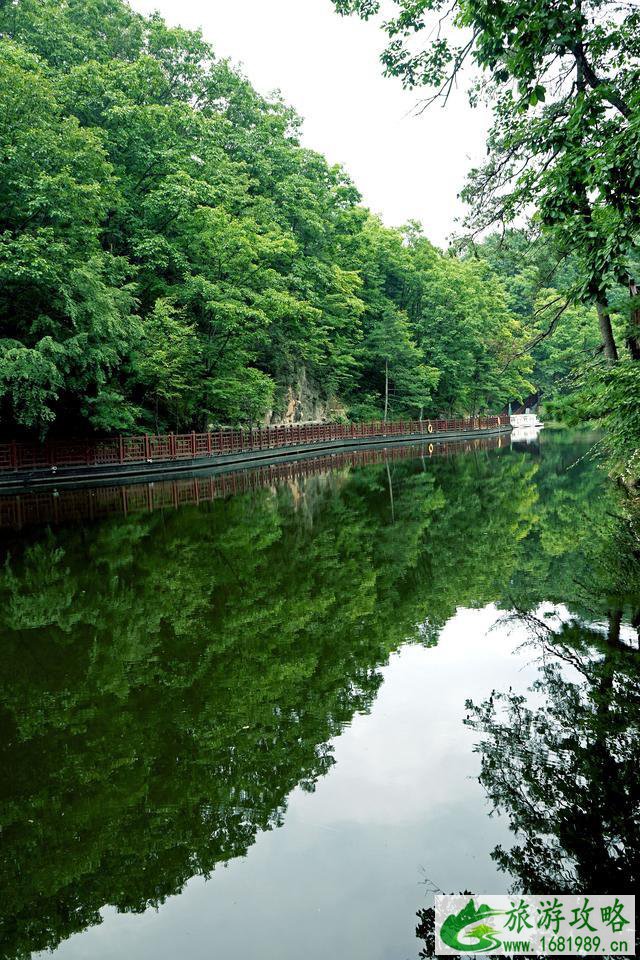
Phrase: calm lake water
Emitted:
{"points": [[271, 723]]}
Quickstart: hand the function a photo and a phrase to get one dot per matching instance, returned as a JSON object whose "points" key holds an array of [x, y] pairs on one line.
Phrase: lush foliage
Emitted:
{"points": [[562, 78], [574, 382], [170, 255]]}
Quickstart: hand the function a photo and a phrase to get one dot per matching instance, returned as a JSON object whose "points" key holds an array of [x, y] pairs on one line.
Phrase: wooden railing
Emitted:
{"points": [[152, 448]]}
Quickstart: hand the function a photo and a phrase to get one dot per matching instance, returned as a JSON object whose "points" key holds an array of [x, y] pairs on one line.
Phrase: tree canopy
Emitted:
{"points": [[172, 256]]}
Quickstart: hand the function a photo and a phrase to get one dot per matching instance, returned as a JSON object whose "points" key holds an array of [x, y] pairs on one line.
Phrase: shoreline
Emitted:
{"points": [[46, 478]]}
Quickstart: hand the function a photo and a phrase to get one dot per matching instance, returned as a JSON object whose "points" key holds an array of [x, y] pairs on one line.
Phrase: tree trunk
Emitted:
{"points": [[606, 332], [633, 340], [386, 389]]}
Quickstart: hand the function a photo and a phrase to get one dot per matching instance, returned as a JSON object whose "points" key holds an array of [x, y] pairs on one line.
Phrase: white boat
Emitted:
{"points": [[525, 427], [527, 419]]}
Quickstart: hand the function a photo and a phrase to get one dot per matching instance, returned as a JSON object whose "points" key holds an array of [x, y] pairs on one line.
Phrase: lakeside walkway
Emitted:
{"points": [[27, 465]]}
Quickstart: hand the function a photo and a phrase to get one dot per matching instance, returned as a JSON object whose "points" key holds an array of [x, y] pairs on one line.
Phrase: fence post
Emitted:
{"points": [[147, 447], [193, 443], [121, 449], [14, 455]]}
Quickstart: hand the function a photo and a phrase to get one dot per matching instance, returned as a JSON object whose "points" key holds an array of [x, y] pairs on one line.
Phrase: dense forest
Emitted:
{"points": [[171, 256]]}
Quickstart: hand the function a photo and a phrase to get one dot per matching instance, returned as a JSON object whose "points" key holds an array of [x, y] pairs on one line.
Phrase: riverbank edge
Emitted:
{"points": [[28, 480]]}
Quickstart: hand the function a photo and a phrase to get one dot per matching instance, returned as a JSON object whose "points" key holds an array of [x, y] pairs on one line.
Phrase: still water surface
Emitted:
{"points": [[272, 724]]}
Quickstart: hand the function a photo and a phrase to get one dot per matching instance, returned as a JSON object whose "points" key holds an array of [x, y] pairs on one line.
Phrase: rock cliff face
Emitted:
{"points": [[304, 402]]}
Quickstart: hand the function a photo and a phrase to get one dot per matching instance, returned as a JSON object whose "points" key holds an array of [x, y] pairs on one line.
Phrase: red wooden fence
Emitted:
{"points": [[194, 446]]}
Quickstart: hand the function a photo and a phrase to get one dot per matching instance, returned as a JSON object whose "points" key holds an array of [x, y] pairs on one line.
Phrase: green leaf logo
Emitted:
{"points": [[470, 923]]}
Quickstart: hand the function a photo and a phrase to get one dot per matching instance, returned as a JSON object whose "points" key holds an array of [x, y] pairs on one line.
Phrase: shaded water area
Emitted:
{"points": [[272, 720]]}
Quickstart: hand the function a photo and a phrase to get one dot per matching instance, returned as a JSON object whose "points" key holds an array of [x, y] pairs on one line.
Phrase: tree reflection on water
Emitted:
{"points": [[170, 677], [563, 764]]}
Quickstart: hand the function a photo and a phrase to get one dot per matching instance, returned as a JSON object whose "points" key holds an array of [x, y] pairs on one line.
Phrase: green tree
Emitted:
{"points": [[65, 303], [168, 364], [468, 333], [580, 60]]}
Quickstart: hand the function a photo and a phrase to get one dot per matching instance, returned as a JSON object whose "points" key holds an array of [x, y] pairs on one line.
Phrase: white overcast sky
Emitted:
{"points": [[327, 67]]}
